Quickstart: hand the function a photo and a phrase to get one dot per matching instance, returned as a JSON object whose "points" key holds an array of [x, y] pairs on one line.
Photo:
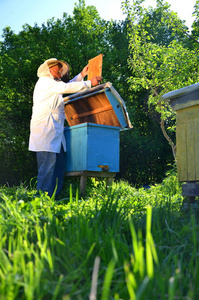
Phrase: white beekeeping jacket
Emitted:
{"points": [[47, 122]]}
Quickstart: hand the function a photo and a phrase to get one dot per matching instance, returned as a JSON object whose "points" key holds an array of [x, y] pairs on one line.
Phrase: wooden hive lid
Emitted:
{"points": [[185, 97], [100, 105]]}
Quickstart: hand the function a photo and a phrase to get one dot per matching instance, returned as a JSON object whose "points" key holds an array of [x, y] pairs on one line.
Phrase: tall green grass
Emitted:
{"points": [[116, 243]]}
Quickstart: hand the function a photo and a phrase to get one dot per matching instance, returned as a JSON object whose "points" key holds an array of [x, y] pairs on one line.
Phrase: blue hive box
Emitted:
{"points": [[95, 118], [92, 147]]}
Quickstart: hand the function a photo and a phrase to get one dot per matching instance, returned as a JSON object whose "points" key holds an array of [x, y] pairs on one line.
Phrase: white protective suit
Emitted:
{"points": [[47, 122]]}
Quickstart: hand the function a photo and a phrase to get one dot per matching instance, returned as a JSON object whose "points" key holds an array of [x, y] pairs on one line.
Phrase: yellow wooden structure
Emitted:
{"points": [[185, 102], [187, 137]]}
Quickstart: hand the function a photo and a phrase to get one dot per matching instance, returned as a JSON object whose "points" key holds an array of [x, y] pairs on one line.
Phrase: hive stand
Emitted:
{"points": [[85, 174]]}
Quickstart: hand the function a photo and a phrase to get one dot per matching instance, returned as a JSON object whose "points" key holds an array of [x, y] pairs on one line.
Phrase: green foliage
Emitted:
{"points": [[162, 58], [159, 59], [195, 27], [145, 154]]}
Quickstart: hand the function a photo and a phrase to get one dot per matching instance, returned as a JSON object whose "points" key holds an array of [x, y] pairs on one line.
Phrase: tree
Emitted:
{"points": [[75, 39], [195, 25], [159, 56]]}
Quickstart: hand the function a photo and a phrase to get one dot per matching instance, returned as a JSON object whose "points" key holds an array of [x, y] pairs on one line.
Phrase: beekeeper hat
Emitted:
{"points": [[51, 62]]}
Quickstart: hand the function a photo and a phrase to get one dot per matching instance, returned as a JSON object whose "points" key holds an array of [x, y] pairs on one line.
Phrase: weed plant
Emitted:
{"points": [[117, 242]]}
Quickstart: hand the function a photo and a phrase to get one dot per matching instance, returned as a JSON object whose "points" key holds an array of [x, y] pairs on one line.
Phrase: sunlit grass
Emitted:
{"points": [[145, 243]]}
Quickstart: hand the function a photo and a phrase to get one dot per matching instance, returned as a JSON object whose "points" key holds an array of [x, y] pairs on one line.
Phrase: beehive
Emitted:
{"points": [[95, 118], [185, 102]]}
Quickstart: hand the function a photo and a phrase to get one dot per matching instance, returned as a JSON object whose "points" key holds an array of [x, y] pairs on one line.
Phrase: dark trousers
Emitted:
{"points": [[50, 171]]}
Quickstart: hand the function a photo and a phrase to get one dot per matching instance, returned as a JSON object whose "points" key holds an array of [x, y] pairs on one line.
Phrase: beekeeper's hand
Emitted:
{"points": [[84, 72], [96, 80]]}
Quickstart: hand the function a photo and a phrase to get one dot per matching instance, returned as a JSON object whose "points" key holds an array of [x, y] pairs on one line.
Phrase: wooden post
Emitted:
{"points": [[109, 181], [83, 180], [190, 190]]}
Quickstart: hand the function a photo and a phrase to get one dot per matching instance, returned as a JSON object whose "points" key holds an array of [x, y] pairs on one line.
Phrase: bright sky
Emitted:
{"points": [[16, 13]]}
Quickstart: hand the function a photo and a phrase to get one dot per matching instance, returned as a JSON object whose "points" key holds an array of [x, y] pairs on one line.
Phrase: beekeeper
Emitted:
{"points": [[47, 121]]}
